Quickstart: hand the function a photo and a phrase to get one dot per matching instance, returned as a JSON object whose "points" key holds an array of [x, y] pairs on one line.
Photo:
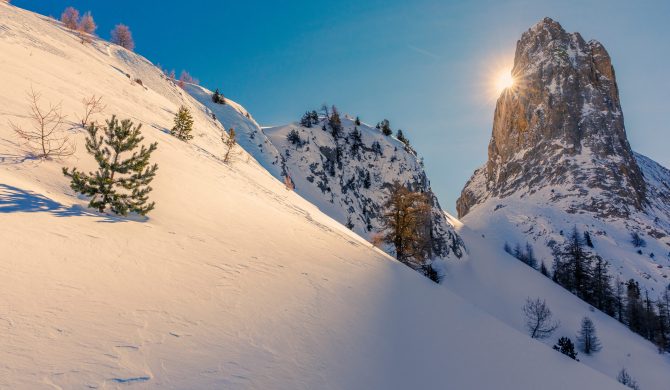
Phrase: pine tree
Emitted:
{"points": [[335, 123], [634, 308], [637, 240], [357, 122], [662, 329], [356, 140], [530, 256], [543, 269], [385, 127], [218, 97], [587, 339], [625, 379], [306, 120], [122, 36], [619, 299], [600, 287], [183, 124], [566, 347], [122, 184]]}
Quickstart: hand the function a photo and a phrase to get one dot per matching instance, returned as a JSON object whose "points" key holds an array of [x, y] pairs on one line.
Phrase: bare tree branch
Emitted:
{"points": [[45, 138]]}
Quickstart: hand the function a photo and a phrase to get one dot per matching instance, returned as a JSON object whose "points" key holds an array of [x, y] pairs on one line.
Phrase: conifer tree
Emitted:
{"points": [[335, 122], [587, 339], [183, 124], [218, 97], [385, 127], [600, 287], [625, 379], [120, 183], [566, 347], [587, 239], [357, 122], [356, 140], [543, 269]]}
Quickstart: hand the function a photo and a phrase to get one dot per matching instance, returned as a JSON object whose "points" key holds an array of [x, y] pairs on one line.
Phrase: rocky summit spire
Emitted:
{"points": [[560, 127]]}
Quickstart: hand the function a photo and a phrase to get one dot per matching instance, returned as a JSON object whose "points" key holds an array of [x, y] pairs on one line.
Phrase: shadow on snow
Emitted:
{"points": [[16, 200]]}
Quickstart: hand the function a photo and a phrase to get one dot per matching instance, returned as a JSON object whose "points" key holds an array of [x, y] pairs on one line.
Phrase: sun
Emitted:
{"points": [[504, 80]]}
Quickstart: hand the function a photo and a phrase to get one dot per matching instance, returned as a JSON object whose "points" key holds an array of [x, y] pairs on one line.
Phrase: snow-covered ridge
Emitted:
{"points": [[347, 177]]}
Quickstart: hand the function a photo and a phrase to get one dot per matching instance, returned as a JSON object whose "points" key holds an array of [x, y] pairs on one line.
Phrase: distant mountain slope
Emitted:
{"points": [[233, 282]]}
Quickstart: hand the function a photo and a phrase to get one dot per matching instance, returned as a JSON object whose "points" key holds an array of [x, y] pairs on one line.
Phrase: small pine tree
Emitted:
{"points": [[637, 240], [335, 122], [357, 122], [587, 339], [294, 137], [122, 184], [230, 143], [218, 97], [625, 379], [385, 127], [183, 124], [566, 347]]}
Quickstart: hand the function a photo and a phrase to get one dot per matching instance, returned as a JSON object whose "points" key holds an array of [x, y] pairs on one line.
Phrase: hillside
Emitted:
{"points": [[232, 282]]}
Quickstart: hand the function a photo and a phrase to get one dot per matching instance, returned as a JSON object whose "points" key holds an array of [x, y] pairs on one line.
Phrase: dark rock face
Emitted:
{"points": [[560, 127]]}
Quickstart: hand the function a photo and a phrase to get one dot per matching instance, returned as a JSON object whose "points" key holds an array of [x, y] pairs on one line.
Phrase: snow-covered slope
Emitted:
{"points": [[233, 282], [499, 284]]}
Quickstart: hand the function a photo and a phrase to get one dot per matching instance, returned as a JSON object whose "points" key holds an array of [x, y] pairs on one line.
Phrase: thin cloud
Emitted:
{"points": [[424, 52]]}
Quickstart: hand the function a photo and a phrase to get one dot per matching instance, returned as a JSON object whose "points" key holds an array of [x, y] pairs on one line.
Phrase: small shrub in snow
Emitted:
{"points": [[625, 379], [92, 106], [120, 183], [566, 347], [230, 141], [46, 138], [637, 240]]}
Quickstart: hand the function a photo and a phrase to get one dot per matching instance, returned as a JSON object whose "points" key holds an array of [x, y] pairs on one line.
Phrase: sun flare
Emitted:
{"points": [[504, 80]]}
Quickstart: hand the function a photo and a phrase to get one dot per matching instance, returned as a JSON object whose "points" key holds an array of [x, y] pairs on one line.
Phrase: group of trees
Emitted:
{"points": [[85, 24], [540, 324], [309, 119], [218, 97], [587, 275], [183, 126], [527, 255], [86, 27]]}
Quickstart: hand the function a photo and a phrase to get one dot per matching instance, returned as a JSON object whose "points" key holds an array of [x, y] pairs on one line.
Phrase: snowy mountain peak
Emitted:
{"points": [[560, 127]]}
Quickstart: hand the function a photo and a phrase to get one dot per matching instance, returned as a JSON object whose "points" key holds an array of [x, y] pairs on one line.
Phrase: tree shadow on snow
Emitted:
{"points": [[16, 200]]}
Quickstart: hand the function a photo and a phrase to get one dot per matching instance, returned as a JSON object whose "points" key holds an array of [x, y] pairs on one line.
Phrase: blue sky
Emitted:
{"points": [[426, 65]]}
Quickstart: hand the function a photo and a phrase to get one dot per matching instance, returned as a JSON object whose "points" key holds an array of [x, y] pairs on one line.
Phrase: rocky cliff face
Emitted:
{"points": [[560, 127], [559, 159]]}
